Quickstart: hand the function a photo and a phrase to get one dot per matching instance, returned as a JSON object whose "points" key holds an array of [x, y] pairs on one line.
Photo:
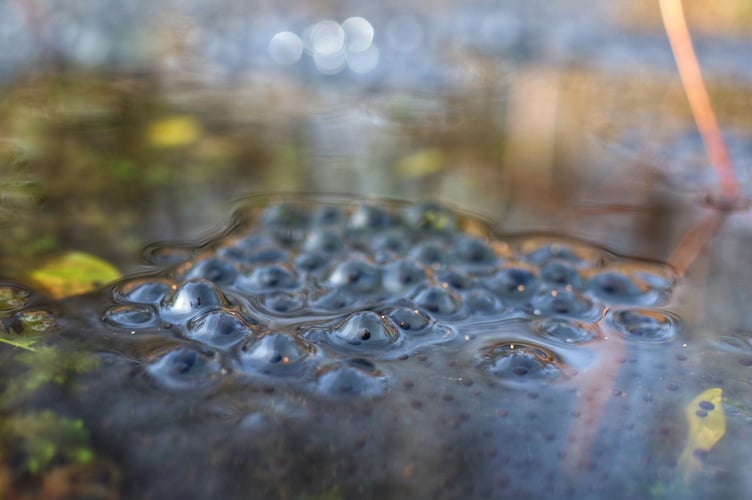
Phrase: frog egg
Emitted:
{"points": [[644, 325], [143, 290], [474, 254], [438, 300], [356, 276], [565, 331], [403, 275], [284, 216], [217, 270], [431, 253], [326, 215], [191, 298], [282, 303], [555, 303], [370, 218], [324, 241], [276, 354], [455, 280], [131, 316], [313, 263], [519, 361], [617, 288], [268, 279], [219, 328], [410, 321], [561, 275], [390, 242], [368, 331], [186, 368], [354, 378], [512, 283]]}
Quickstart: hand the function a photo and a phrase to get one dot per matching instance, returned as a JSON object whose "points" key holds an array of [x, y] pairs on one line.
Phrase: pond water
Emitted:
{"points": [[406, 250]]}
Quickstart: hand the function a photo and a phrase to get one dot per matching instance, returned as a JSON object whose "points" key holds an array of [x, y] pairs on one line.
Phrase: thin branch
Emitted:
{"points": [[675, 23]]}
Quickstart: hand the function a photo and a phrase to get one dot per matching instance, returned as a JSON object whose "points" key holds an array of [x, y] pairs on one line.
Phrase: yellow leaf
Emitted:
{"points": [[174, 131], [74, 273], [421, 164], [707, 425]]}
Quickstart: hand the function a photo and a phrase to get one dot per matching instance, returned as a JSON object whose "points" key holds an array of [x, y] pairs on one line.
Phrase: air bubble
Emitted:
{"points": [[131, 316], [276, 354], [191, 298], [219, 328], [644, 325], [356, 276], [186, 367], [520, 361], [564, 331], [353, 378]]}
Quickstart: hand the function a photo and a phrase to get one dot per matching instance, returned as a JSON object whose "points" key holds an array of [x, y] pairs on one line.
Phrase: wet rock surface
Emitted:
{"points": [[331, 348]]}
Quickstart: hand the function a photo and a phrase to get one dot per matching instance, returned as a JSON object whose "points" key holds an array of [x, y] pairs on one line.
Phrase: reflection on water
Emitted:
{"points": [[339, 347]]}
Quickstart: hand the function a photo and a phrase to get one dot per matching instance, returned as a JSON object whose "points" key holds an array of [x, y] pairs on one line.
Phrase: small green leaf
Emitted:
{"points": [[74, 273]]}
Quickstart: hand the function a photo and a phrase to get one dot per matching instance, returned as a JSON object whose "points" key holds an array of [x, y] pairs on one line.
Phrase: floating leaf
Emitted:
{"points": [[74, 273], [707, 425], [421, 164], [173, 132]]}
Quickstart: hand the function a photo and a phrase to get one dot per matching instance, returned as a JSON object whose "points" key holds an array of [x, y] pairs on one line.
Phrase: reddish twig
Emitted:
{"points": [[699, 101]]}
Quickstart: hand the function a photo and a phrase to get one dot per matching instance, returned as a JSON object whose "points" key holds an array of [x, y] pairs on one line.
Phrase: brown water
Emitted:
{"points": [[565, 128]]}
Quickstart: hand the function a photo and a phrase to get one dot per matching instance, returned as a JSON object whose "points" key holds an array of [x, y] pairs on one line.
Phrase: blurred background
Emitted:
{"points": [[122, 123]]}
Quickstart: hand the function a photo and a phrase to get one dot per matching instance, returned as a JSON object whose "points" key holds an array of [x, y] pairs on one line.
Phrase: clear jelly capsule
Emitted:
{"points": [[276, 354], [367, 330], [186, 368], [513, 283], [220, 328], [131, 316], [217, 270], [356, 276], [644, 325], [191, 298], [143, 290], [563, 330], [518, 361], [355, 378]]}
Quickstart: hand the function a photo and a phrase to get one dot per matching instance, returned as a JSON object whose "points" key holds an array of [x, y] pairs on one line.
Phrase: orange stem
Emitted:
{"points": [[699, 101]]}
